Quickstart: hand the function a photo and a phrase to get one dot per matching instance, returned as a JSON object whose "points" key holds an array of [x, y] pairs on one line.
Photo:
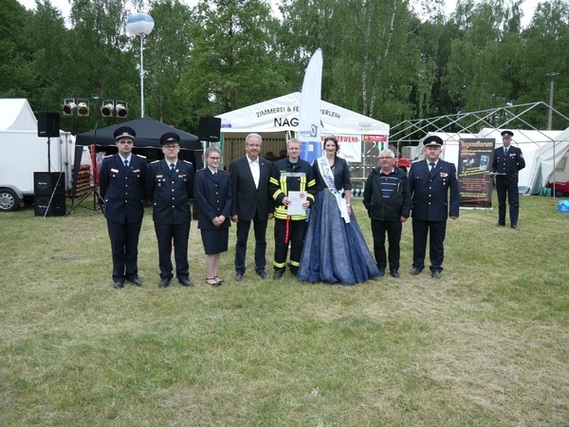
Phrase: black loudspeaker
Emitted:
{"points": [[55, 208], [48, 124], [46, 183], [209, 129]]}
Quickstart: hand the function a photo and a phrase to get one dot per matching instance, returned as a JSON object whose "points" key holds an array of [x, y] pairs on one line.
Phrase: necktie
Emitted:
{"points": [[126, 163], [172, 167], [505, 150], [431, 167]]}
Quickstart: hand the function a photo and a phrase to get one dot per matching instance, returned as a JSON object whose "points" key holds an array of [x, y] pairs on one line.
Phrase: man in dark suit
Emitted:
{"points": [[430, 182], [252, 202], [121, 181], [169, 186], [506, 164]]}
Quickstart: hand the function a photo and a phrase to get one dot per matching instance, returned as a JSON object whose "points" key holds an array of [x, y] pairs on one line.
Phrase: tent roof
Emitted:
{"points": [[17, 114], [281, 115], [148, 133]]}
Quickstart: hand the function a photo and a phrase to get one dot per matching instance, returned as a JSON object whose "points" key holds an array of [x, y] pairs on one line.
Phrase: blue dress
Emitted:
{"points": [[334, 251]]}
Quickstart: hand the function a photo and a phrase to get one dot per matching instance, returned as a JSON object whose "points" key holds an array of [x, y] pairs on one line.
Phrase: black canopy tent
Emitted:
{"points": [[147, 143]]}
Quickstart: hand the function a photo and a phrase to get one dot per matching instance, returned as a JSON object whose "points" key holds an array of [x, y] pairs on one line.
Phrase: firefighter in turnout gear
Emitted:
{"points": [[290, 174]]}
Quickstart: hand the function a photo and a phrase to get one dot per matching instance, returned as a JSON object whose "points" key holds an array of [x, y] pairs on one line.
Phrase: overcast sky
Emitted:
{"points": [[63, 5]]}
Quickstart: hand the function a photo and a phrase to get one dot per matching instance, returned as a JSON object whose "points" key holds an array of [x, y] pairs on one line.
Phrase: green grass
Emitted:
{"points": [[488, 344]]}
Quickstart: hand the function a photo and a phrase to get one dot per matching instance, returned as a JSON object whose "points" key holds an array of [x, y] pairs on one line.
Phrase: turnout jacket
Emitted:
{"points": [[170, 191], [287, 176], [392, 209]]}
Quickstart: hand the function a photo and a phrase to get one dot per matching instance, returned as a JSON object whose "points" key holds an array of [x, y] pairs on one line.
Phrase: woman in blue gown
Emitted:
{"points": [[335, 250]]}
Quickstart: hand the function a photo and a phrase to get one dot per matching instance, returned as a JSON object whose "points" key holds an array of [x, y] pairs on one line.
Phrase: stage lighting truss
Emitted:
{"points": [[121, 109], [69, 107], [83, 107]]}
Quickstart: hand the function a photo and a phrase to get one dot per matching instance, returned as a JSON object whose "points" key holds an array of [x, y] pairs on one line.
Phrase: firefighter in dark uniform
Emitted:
{"points": [[435, 196], [169, 186], [506, 164], [121, 181], [290, 174]]}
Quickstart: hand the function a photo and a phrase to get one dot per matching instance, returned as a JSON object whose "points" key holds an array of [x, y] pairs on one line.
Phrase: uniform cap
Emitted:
{"points": [[432, 141], [170, 138], [124, 132], [507, 133]]}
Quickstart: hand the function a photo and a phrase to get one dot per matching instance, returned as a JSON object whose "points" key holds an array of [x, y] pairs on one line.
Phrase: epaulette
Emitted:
{"points": [[108, 156], [141, 156], [155, 161], [190, 163]]}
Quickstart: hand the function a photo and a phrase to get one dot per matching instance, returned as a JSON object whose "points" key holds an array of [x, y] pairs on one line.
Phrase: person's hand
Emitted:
{"points": [[286, 201], [271, 216], [453, 217], [403, 219], [235, 218]]}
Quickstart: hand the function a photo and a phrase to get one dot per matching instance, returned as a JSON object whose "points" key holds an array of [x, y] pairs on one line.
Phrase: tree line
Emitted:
{"points": [[382, 58]]}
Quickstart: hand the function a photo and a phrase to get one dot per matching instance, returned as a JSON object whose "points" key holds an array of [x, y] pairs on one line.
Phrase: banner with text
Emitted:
{"points": [[475, 183]]}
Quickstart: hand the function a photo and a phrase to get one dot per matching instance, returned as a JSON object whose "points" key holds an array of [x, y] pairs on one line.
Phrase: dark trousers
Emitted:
{"points": [[296, 232], [179, 235], [506, 185], [260, 230], [436, 231], [393, 230], [124, 247]]}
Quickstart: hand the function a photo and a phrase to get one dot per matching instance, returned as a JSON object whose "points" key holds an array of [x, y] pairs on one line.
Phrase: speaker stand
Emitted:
{"points": [[97, 200]]}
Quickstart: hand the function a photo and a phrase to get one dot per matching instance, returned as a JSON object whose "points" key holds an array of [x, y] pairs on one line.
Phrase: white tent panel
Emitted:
{"points": [[551, 157], [17, 114], [280, 115]]}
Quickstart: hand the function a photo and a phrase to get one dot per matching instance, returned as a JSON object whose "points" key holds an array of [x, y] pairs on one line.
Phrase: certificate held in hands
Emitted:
{"points": [[297, 199]]}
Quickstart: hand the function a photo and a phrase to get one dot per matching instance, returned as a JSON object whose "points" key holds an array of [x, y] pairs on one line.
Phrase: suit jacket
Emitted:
{"points": [[509, 163], [170, 192], [213, 197], [122, 188], [430, 191], [247, 199]]}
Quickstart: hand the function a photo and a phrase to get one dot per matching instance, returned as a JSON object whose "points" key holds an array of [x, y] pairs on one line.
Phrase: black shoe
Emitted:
{"points": [[436, 274], [239, 276], [185, 281], [381, 273], [500, 225], [118, 285], [278, 274], [515, 226], [414, 271], [394, 273], [164, 283], [262, 274], [137, 282]]}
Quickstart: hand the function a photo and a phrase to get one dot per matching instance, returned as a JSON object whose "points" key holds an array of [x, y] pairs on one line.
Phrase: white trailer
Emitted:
{"points": [[21, 154]]}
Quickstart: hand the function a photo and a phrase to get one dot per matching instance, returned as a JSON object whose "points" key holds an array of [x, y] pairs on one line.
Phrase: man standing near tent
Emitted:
{"points": [[430, 182], [506, 164], [170, 186], [291, 174], [252, 202], [121, 181]]}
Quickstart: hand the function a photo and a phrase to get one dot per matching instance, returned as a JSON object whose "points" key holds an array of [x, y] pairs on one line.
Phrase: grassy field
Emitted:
{"points": [[486, 345]]}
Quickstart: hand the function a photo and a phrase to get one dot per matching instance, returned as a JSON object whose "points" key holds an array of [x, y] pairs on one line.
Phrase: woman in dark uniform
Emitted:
{"points": [[213, 196]]}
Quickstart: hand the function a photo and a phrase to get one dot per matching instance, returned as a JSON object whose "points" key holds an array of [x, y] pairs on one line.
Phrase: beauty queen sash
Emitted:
{"points": [[328, 177]]}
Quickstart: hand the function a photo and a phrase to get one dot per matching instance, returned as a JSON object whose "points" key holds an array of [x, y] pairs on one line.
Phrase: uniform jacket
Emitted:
{"points": [[170, 192], [287, 176], [430, 192], [247, 199], [122, 188], [213, 197], [509, 163], [392, 209]]}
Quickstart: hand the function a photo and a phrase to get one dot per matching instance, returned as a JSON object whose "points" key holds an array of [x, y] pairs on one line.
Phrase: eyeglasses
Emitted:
{"points": [[386, 158], [214, 158]]}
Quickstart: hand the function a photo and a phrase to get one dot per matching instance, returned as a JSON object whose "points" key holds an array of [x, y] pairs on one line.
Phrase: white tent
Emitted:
{"points": [[275, 117], [529, 141], [17, 114], [551, 163]]}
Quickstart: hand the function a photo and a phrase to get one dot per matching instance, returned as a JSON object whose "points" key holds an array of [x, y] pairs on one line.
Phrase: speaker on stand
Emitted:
{"points": [[210, 129]]}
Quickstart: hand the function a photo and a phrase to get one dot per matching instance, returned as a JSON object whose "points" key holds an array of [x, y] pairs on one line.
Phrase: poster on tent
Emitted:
{"points": [[350, 147], [474, 181]]}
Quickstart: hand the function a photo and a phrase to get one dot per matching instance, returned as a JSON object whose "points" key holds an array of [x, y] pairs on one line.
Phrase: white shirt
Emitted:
{"points": [[255, 170]]}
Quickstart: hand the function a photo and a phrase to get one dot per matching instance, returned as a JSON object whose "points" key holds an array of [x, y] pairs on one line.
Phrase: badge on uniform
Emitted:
{"points": [[114, 170]]}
